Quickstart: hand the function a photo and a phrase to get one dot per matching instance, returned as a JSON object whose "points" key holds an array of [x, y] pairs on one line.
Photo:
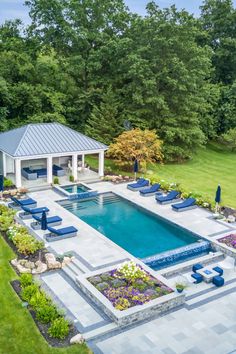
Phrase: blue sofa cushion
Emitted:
{"points": [[63, 231]]}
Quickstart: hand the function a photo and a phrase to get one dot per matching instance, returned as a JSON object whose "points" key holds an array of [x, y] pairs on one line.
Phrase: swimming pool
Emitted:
{"points": [[137, 231], [75, 188]]}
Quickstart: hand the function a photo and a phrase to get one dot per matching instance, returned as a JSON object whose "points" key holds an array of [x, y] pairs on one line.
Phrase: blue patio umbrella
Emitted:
{"points": [[44, 221], [218, 196], [135, 167], [1, 183]]}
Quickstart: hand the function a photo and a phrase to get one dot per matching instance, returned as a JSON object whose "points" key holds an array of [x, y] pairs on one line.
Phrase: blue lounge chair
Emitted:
{"points": [[51, 221], [169, 198], [185, 205], [150, 191], [18, 203], [139, 185], [28, 212], [60, 234]]}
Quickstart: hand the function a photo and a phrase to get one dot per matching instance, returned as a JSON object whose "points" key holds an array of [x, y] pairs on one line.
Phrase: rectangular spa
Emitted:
{"points": [[138, 231], [75, 188]]}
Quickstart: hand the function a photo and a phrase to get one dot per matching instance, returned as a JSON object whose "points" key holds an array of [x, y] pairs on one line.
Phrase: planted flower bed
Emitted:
{"points": [[129, 285], [229, 240]]}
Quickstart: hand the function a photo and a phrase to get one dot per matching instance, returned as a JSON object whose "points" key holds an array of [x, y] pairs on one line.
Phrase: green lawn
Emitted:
{"points": [[18, 332], [209, 167]]}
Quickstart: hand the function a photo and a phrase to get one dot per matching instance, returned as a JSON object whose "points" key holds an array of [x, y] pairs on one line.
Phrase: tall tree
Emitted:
{"points": [[104, 124], [218, 18], [165, 75]]}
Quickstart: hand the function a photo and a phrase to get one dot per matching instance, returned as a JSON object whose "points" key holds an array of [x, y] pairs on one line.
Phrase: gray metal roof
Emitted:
{"points": [[46, 138]]}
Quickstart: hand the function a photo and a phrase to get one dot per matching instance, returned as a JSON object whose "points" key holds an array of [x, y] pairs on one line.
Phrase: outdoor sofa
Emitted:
{"points": [[58, 171], [34, 173]]}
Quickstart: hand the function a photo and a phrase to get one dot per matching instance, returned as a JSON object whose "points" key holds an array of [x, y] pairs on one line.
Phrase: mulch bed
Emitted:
{"points": [[43, 328]]}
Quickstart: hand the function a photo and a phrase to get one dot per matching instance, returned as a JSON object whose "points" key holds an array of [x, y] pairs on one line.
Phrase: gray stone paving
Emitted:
{"points": [[209, 329], [81, 310]]}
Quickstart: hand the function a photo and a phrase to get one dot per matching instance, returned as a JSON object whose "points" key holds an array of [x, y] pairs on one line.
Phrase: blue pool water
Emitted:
{"points": [[140, 233], [75, 188]]}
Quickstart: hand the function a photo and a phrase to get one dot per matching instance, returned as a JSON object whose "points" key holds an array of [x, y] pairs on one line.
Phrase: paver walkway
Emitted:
{"points": [[86, 317], [208, 329]]}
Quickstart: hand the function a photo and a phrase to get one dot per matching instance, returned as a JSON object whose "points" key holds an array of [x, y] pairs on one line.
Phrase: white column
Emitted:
{"points": [[75, 166], [82, 160], [18, 173], [49, 169], [4, 164], [101, 164]]}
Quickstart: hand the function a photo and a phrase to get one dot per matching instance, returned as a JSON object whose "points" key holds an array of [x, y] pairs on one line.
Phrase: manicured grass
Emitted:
{"points": [[208, 167], [18, 332]]}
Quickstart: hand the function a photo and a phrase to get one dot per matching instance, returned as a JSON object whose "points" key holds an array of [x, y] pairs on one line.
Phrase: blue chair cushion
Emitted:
{"points": [[196, 267], [63, 231], [198, 277], [218, 280], [218, 270]]}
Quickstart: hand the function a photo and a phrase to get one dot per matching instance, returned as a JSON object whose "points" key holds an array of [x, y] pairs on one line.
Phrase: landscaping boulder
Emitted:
{"points": [[78, 339], [66, 260], [21, 269], [40, 268], [51, 261]]}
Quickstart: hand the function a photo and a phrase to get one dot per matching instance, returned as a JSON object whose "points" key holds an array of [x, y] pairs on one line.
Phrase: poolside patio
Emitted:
{"points": [[196, 327]]}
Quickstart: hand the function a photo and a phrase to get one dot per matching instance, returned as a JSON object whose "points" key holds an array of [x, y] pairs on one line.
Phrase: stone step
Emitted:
{"points": [[69, 273], [74, 268], [100, 331], [80, 265], [212, 294]]}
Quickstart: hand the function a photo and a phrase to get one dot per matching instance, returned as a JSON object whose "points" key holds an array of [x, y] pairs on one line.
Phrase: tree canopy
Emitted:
{"points": [[94, 65]]}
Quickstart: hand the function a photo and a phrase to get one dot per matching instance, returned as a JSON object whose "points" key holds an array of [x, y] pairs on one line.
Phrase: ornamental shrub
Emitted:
{"points": [[46, 313], [39, 299], [26, 280], [59, 328], [28, 292], [5, 222], [26, 243], [71, 179], [7, 183], [56, 180]]}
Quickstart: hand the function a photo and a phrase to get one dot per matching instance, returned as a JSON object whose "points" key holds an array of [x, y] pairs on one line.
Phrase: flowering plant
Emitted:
{"points": [[131, 271], [229, 240]]}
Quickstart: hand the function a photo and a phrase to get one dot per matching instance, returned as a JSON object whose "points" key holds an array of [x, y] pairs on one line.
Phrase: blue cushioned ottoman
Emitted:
{"points": [[196, 267], [218, 280], [218, 270], [198, 278]]}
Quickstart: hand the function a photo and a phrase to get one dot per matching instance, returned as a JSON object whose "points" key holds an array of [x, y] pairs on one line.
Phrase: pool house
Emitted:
{"points": [[34, 154]]}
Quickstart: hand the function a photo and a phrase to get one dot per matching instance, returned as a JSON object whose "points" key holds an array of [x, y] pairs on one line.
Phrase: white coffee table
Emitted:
{"points": [[207, 273]]}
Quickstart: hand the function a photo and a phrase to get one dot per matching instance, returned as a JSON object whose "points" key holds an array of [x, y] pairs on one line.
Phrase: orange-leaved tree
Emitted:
{"points": [[143, 145]]}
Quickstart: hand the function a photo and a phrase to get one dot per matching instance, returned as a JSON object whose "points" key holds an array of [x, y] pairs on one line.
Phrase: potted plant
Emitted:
{"points": [[180, 287]]}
